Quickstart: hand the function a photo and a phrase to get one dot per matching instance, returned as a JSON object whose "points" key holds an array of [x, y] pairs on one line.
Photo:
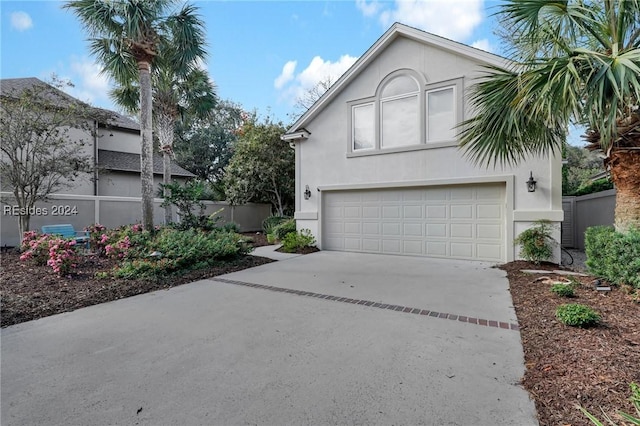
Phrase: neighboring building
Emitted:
{"points": [[114, 149], [378, 168]]}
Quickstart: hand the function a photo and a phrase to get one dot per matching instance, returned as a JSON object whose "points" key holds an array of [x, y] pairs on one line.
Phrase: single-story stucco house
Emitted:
{"points": [[378, 168]]}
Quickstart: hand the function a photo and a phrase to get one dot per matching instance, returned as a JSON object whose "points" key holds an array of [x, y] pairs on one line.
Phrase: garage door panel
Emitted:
{"points": [[462, 250], [371, 245], [462, 230], [462, 211], [463, 222], [489, 251], [352, 228], [486, 231], [489, 211], [391, 229], [436, 230], [352, 244], [462, 193], [412, 212], [391, 246], [371, 212], [412, 247], [390, 212], [412, 229], [436, 248], [436, 212]]}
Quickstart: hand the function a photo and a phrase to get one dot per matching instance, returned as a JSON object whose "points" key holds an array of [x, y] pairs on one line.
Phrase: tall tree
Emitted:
{"points": [[39, 156], [176, 93], [262, 168], [126, 36], [573, 61], [204, 146]]}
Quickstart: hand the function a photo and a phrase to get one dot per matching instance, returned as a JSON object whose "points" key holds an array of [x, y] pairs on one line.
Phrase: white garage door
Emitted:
{"points": [[459, 221]]}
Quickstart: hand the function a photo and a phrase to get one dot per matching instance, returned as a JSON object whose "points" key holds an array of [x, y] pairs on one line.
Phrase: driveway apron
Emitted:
{"points": [[326, 338]]}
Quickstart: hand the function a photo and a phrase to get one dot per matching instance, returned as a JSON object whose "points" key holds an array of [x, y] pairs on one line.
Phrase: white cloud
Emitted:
{"points": [[21, 21], [454, 19], [368, 9], [483, 44], [318, 70], [287, 74]]}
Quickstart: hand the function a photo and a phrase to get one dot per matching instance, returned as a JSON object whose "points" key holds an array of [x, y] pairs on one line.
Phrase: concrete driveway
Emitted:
{"points": [[354, 339]]}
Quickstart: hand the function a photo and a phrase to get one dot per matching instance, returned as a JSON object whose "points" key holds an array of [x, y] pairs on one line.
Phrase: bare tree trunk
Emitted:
{"points": [[165, 127], [146, 145], [625, 173]]}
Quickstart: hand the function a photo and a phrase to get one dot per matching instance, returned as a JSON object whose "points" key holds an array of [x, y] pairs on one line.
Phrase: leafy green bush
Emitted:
{"points": [[179, 250], [614, 256], [281, 230], [294, 241], [633, 420], [577, 315], [536, 243], [230, 227], [595, 186], [271, 222], [563, 290]]}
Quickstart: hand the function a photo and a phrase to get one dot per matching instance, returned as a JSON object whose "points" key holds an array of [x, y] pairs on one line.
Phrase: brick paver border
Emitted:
{"points": [[398, 308]]}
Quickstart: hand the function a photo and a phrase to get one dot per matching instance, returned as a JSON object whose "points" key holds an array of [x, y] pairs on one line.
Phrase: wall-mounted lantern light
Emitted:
{"points": [[531, 183], [307, 192]]}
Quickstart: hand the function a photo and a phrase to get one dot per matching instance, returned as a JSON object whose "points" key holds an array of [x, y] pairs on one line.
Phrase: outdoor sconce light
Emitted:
{"points": [[531, 183], [307, 192]]}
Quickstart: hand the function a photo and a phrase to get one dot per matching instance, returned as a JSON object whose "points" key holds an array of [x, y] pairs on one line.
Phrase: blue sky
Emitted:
{"points": [[262, 54]]}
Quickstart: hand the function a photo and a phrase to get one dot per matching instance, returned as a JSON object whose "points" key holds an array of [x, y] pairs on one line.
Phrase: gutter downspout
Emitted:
{"points": [[95, 158]]}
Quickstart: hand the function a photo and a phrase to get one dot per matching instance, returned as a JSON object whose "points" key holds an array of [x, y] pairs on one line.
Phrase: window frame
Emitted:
{"points": [[423, 89]]}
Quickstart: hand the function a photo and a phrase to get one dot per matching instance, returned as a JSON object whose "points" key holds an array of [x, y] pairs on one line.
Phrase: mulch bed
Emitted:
{"points": [[565, 366], [568, 366]]}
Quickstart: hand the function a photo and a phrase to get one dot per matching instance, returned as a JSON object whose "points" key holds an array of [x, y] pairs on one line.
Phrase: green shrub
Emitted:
{"points": [[614, 256], [563, 290], [633, 420], [295, 241], [596, 186], [230, 227], [577, 315], [281, 230], [271, 222], [536, 243], [182, 251]]}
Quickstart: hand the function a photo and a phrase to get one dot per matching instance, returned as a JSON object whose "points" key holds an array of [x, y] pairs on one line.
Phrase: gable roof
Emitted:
{"points": [[130, 162], [394, 32], [10, 87]]}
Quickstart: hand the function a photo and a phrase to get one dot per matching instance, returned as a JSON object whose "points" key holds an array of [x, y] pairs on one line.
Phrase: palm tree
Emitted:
{"points": [[126, 36], [175, 93], [573, 61]]}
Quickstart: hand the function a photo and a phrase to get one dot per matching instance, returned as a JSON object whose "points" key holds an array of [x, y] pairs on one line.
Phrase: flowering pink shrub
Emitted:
{"points": [[50, 250]]}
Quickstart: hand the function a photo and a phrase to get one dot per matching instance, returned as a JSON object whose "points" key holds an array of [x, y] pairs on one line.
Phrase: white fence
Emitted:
{"points": [[85, 210], [585, 211]]}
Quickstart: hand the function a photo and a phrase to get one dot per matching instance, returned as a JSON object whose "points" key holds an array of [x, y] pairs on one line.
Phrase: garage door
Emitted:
{"points": [[459, 221]]}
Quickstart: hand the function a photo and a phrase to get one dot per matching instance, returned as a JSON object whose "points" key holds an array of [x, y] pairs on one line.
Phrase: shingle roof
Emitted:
{"points": [[129, 162], [10, 87]]}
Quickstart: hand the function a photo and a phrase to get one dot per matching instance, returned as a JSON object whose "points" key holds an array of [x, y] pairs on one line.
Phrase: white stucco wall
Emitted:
{"points": [[322, 161]]}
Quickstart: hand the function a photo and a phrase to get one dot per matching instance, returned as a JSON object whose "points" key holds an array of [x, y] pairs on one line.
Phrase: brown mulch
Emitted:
{"points": [[30, 292], [569, 366], [565, 366]]}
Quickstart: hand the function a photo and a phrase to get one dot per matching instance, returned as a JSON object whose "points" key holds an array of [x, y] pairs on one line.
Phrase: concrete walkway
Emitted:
{"points": [[241, 350], [270, 252]]}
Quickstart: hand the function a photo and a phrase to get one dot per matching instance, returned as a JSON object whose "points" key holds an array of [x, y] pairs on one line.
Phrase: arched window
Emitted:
{"points": [[400, 112]]}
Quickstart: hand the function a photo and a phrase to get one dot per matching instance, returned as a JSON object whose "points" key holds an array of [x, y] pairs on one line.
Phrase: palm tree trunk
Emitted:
{"points": [[146, 144], [166, 179], [625, 173], [165, 124]]}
